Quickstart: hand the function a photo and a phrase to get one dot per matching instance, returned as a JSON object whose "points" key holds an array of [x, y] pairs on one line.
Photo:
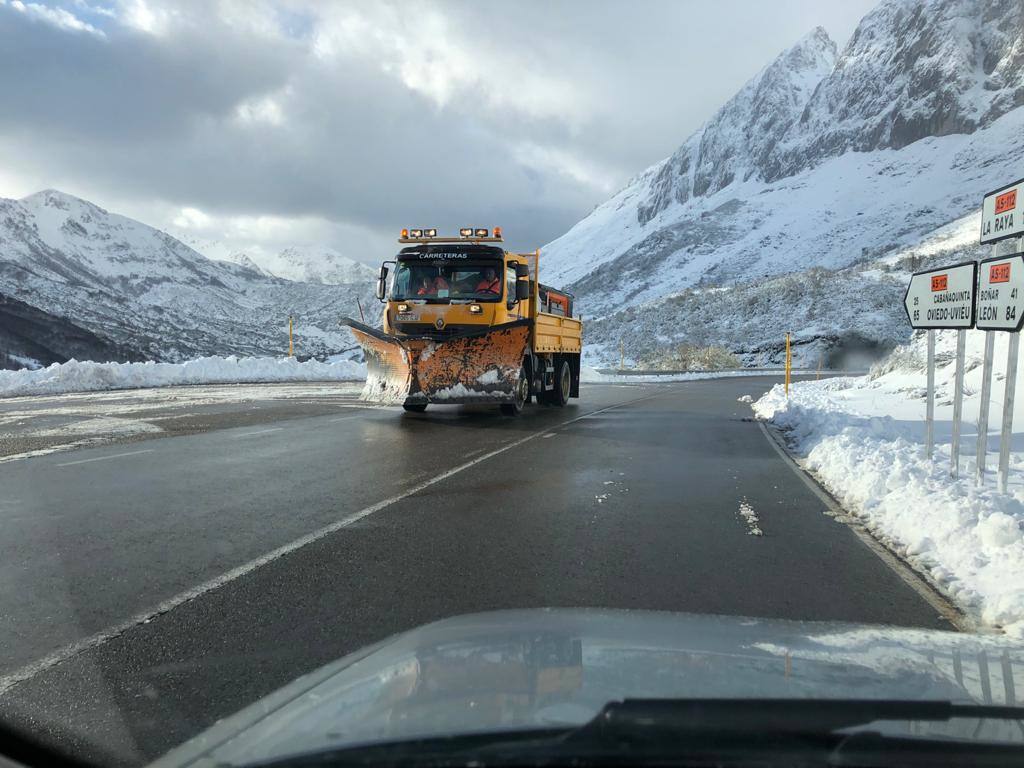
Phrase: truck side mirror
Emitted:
{"points": [[522, 289], [522, 270], [382, 282]]}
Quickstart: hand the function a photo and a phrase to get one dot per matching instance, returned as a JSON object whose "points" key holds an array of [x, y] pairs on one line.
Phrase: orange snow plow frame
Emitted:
{"points": [[470, 367]]}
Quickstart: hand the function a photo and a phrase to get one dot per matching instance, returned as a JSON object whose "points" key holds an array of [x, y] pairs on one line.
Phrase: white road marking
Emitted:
{"points": [[92, 641], [62, 448], [260, 432], [347, 418], [104, 458], [549, 434]]}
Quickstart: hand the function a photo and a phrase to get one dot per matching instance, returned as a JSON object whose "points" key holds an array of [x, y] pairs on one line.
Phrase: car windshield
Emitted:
{"points": [[548, 383], [440, 280]]}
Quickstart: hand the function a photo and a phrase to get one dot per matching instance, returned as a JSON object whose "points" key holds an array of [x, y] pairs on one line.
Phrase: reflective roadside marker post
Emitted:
{"points": [[943, 298], [789, 363], [1001, 304]]}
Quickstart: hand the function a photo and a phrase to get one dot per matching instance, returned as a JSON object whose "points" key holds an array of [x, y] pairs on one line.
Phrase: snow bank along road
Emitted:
{"points": [[149, 587]]}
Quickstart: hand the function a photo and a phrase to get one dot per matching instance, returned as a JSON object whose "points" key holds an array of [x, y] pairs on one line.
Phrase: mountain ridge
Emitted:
{"points": [[829, 170], [145, 290]]}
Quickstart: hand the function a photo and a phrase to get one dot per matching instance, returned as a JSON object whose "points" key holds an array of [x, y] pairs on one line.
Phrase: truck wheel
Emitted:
{"points": [[415, 407], [522, 394], [563, 384]]}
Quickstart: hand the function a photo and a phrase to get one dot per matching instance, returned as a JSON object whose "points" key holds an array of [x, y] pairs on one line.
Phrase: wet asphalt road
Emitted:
{"points": [[148, 569]]}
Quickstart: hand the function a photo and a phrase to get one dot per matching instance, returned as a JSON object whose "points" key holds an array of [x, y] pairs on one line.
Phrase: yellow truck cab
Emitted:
{"points": [[466, 321]]}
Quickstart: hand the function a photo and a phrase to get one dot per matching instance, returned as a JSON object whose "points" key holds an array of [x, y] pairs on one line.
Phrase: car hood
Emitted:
{"points": [[550, 668]]}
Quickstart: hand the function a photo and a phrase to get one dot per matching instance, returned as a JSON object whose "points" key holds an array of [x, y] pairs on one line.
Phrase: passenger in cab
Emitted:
{"points": [[431, 286], [489, 283]]}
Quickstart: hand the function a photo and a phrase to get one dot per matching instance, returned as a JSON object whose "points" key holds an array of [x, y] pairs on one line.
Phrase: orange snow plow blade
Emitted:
{"points": [[472, 367]]}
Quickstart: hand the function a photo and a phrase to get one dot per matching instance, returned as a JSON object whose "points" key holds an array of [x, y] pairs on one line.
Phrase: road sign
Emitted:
{"points": [[1002, 213], [1001, 293], [942, 298]]}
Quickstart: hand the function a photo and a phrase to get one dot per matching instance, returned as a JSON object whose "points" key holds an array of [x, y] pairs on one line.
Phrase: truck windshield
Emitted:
{"points": [[444, 281]]}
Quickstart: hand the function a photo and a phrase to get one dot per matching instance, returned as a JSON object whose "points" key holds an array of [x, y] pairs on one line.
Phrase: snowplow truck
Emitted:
{"points": [[465, 321]]}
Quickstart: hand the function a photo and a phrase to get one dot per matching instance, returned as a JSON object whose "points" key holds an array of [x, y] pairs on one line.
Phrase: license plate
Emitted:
{"points": [[406, 317]]}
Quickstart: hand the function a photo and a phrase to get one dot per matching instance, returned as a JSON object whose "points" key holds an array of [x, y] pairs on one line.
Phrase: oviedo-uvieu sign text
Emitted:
{"points": [[942, 298]]}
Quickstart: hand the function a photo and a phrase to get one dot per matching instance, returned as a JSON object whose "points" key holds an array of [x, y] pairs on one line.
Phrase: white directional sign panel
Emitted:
{"points": [[1001, 293], [1002, 213], [942, 298]]}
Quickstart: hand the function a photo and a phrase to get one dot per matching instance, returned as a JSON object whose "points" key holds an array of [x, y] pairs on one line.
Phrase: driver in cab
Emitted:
{"points": [[489, 283]]}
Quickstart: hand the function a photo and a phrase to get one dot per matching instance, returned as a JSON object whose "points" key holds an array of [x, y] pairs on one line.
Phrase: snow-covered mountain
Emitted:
{"points": [[820, 162], [145, 290], [307, 265]]}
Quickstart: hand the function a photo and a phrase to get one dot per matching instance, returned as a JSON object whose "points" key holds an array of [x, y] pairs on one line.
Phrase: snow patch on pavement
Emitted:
{"points": [[85, 376], [751, 519], [863, 437]]}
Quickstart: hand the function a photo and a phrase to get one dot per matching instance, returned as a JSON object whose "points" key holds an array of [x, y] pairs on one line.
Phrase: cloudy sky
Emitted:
{"points": [[294, 122]]}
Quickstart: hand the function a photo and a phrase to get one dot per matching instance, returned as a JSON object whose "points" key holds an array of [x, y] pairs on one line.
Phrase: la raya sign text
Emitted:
{"points": [[1002, 213]]}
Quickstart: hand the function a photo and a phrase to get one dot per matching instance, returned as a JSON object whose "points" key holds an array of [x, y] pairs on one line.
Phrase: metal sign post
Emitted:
{"points": [[986, 398], [1007, 432], [929, 409], [1000, 308], [943, 298], [958, 403]]}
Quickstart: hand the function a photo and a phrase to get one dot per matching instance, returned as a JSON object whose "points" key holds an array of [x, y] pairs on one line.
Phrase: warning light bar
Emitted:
{"points": [[475, 234]]}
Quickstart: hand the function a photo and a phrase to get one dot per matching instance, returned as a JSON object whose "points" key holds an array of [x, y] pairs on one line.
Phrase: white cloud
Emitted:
{"points": [[554, 160], [58, 17], [434, 54], [265, 109], [145, 16], [219, 236], [192, 218]]}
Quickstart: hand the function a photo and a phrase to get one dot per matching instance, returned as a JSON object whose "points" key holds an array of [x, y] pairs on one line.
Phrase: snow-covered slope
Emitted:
{"points": [[303, 264], [143, 288], [307, 265], [813, 165], [864, 439]]}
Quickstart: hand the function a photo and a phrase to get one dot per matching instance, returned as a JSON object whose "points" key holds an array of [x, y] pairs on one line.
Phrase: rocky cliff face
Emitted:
{"points": [[739, 141], [913, 69], [820, 161]]}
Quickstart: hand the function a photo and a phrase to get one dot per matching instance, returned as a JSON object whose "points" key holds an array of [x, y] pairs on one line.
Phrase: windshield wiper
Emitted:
{"points": [[698, 732], [635, 716]]}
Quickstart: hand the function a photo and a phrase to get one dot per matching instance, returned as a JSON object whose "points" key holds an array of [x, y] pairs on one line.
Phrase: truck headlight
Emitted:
{"points": [[475, 309], [403, 307]]}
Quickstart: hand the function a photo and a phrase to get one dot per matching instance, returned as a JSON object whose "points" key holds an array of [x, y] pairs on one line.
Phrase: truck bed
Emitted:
{"points": [[554, 333]]}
